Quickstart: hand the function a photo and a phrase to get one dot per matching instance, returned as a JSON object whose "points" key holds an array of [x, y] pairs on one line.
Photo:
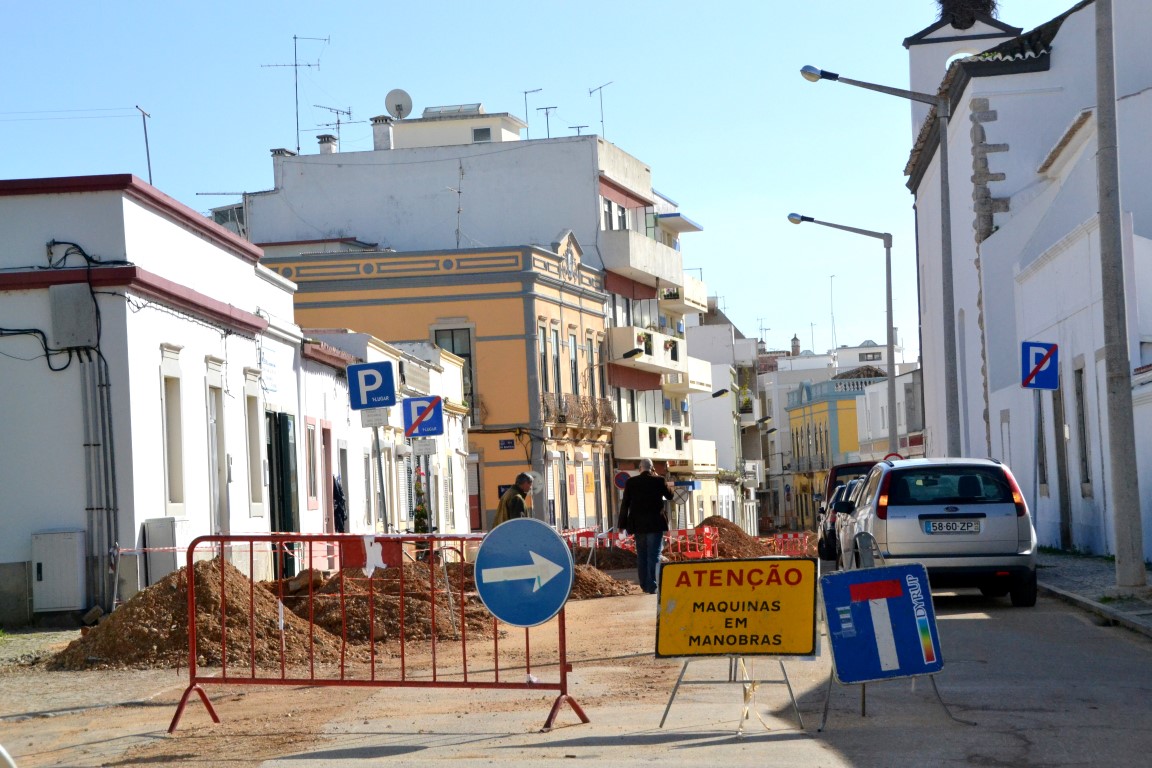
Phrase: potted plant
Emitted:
{"points": [[663, 433], [643, 338], [669, 344], [687, 436]]}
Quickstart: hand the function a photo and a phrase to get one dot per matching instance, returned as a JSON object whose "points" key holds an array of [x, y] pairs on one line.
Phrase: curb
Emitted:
{"points": [[1114, 616]]}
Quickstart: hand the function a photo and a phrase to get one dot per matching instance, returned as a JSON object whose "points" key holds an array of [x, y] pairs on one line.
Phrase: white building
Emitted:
{"points": [[1026, 266], [156, 390]]}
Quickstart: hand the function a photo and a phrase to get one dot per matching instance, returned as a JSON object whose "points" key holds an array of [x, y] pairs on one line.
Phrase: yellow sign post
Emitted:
{"points": [[760, 607]]}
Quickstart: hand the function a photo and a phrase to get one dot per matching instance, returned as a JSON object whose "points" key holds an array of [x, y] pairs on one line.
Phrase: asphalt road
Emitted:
{"points": [[1046, 686]]}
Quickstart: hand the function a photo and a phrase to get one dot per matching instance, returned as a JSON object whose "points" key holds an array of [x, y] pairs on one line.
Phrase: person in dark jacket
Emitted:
{"points": [[642, 515], [512, 502]]}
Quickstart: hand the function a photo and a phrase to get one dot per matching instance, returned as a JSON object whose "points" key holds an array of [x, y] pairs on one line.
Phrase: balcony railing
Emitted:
{"points": [[576, 410]]}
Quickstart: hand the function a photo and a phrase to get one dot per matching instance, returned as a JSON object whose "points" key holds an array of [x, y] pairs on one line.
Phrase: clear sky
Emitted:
{"points": [[708, 94]]}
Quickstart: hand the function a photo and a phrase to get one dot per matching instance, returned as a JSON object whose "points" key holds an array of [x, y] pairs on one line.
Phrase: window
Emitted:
{"points": [[1082, 428], [621, 217], [556, 358], [312, 469], [607, 224], [481, 135], [173, 443], [574, 363], [870, 356], [541, 338], [458, 341], [603, 376]]}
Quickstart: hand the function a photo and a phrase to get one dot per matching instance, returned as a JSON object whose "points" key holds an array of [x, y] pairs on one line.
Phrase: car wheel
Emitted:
{"points": [[1024, 592], [994, 591]]}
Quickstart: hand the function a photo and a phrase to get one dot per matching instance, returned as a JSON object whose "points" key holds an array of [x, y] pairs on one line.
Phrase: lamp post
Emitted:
{"points": [[948, 303], [893, 434]]}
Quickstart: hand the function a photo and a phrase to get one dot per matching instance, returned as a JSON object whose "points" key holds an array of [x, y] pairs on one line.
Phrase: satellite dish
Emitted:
{"points": [[399, 103], [537, 480]]}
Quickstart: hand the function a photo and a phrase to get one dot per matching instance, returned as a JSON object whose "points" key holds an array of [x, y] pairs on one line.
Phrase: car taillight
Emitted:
{"points": [[882, 498], [1017, 497]]}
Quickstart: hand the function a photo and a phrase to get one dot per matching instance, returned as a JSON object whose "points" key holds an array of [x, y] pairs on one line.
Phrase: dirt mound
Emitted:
{"points": [[590, 582], [734, 543], [151, 629], [376, 602], [607, 558]]}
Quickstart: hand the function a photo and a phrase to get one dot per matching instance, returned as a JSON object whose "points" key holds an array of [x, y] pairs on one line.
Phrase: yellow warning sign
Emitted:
{"points": [[761, 607]]}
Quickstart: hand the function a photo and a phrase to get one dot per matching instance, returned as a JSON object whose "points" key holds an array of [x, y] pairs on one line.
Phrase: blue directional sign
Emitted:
{"points": [[881, 623], [524, 572], [423, 416], [1039, 365], [371, 385]]}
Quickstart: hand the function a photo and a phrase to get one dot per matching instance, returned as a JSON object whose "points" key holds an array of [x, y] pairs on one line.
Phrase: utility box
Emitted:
{"points": [[58, 571]]}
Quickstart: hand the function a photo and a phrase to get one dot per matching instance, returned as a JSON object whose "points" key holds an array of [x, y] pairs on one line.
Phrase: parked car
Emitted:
{"points": [[842, 473], [846, 523], [964, 519], [829, 542]]}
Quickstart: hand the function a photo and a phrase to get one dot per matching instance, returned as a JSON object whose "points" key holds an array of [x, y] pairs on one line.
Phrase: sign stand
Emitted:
{"points": [[738, 674], [864, 697]]}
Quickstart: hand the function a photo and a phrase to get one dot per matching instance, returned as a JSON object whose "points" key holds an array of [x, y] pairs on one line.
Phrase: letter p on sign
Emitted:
{"points": [[371, 385]]}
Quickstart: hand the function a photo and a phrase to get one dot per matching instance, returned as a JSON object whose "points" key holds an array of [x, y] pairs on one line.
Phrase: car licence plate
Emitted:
{"points": [[951, 526]]}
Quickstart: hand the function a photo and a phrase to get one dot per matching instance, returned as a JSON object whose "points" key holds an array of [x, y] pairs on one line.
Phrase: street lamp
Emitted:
{"points": [[893, 435], [948, 303]]}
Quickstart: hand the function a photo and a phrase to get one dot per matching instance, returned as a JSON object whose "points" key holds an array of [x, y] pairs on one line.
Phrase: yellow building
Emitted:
{"points": [[529, 322], [823, 427]]}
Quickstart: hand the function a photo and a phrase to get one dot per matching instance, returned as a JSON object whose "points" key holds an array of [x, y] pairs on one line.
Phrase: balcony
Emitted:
{"points": [[662, 353], [700, 459], [647, 440], [696, 379], [687, 297], [640, 258], [577, 411]]}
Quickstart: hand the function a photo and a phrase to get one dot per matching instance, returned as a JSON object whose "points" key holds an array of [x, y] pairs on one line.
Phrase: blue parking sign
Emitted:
{"points": [[1039, 365], [371, 385], [423, 416]]}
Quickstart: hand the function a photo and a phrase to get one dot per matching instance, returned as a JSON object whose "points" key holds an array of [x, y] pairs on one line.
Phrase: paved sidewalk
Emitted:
{"points": [[1090, 584]]}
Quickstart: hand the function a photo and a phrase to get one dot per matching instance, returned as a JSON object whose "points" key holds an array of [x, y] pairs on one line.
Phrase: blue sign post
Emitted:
{"points": [[881, 623], [371, 385], [524, 572], [423, 416], [1039, 365]]}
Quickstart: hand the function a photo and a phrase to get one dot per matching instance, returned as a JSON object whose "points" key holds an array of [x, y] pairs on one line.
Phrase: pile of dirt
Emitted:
{"points": [[734, 543], [606, 558], [376, 602], [151, 629], [589, 582]]}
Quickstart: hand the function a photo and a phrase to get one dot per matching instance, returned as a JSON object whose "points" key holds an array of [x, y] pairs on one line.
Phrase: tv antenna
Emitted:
{"points": [[760, 321], [577, 128], [336, 112], [296, 65], [601, 88], [148, 152], [399, 103], [527, 131], [547, 122], [459, 190]]}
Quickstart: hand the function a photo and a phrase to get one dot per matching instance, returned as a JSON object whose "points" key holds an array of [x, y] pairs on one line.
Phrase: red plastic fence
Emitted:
{"points": [[686, 542], [247, 650], [789, 543]]}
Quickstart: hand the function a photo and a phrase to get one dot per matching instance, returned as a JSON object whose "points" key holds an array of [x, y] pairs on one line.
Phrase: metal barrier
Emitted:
{"points": [[789, 543], [361, 627], [688, 543]]}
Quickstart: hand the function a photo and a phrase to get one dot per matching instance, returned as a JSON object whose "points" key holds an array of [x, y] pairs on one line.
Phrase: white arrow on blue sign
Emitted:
{"points": [[524, 572], [371, 385]]}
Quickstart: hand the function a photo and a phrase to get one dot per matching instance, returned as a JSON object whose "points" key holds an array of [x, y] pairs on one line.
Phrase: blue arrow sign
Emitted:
{"points": [[524, 572], [371, 385], [881, 623]]}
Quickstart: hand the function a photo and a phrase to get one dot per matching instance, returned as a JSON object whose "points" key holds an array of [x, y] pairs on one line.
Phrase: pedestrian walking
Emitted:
{"points": [[512, 502], [642, 515]]}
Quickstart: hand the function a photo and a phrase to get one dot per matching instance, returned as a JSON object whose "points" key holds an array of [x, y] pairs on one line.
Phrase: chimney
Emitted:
{"points": [[795, 346], [281, 152], [382, 132], [327, 144]]}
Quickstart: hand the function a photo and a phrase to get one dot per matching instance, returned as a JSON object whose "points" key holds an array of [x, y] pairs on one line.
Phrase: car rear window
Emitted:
{"points": [[949, 485]]}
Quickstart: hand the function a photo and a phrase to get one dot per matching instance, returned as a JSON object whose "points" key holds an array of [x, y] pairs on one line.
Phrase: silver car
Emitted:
{"points": [[965, 520]]}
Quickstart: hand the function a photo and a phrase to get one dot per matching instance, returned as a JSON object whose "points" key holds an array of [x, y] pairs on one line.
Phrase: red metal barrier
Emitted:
{"points": [[686, 542], [358, 627], [789, 543]]}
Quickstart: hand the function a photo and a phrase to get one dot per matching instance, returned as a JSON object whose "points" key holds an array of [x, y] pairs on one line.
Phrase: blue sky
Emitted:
{"points": [[708, 94]]}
